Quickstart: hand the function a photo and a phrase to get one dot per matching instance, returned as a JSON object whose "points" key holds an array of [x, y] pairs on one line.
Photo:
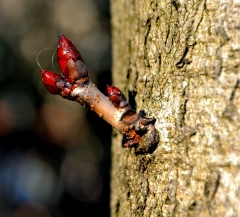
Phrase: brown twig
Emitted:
{"points": [[138, 131]]}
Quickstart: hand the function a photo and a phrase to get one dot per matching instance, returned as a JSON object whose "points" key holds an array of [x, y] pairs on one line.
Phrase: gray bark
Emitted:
{"points": [[178, 60]]}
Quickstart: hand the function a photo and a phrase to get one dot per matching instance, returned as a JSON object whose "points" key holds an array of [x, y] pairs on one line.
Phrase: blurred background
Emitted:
{"points": [[54, 154]]}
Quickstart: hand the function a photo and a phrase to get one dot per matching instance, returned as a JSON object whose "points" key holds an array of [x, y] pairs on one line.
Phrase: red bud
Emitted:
{"points": [[67, 51], [52, 81], [116, 97]]}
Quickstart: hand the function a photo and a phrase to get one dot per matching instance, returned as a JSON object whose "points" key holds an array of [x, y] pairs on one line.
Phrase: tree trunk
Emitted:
{"points": [[178, 60]]}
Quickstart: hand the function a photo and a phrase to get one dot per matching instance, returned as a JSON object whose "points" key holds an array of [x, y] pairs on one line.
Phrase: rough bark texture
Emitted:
{"points": [[179, 61]]}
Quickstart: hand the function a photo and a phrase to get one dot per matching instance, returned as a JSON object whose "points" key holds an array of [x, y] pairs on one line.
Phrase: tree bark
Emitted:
{"points": [[178, 60]]}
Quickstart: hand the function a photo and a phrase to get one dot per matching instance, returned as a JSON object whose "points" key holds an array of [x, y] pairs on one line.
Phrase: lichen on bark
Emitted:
{"points": [[178, 61]]}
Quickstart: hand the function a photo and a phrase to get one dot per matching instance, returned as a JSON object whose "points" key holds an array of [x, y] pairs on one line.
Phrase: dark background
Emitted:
{"points": [[54, 154]]}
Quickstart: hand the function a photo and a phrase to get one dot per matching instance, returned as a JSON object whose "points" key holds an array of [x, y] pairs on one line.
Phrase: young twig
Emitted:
{"points": [[76, 85]]}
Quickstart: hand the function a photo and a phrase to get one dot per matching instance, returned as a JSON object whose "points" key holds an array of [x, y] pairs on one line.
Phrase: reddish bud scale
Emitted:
{"points": [[70, 60], [50, 80], [116, 97]]}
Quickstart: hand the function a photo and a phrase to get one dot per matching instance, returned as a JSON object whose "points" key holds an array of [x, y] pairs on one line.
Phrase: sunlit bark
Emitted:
{"points": [[179, 61]]}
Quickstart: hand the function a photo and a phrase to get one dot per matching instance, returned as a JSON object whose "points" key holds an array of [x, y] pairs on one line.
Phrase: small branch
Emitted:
{"points": [[77, 86]]}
